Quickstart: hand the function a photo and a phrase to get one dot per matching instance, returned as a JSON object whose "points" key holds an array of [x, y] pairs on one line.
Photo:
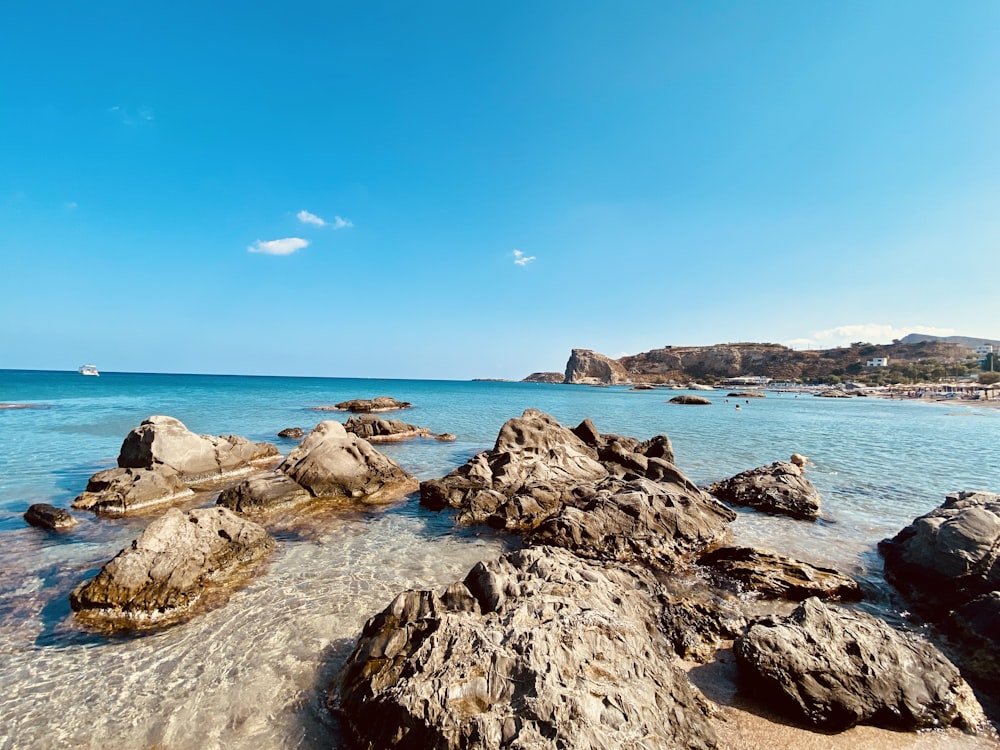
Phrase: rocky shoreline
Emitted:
{"points": [[628, 573]]}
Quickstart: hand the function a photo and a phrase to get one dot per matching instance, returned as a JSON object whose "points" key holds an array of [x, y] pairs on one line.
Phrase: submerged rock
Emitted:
{"points": [[535, 646], [950, 555], [367, 405], [178, 560], [776, 576], [376, 430], [165, 441], [120, 491], [690, 400], [834, 668], [45, 516], [778, 488]]}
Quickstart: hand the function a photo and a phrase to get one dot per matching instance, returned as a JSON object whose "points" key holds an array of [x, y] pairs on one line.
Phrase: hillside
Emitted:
{"points": [[968, 341], [908, 361]]}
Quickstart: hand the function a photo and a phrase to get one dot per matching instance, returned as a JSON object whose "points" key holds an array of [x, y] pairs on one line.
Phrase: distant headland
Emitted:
{"points": [[914, 358]]}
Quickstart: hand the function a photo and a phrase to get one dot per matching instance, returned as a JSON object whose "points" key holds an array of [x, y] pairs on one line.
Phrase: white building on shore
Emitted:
{"points": [[878, 362]]}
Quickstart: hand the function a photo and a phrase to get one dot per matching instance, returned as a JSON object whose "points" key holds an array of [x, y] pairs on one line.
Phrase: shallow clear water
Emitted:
{"points": [[251, 673]]}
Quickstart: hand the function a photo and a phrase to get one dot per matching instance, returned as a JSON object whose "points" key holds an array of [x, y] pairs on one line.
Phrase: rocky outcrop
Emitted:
{"points": [[590, 368], [117, 492], [780, 488], [697, 619], [690, 400], [177, 561], [330, 462], [776, 576], [950, 555], [746, 394], [640, 521], [376, 430], [535, 466], [975, 628], [367, 405], [45, 516], [545, 377], [292, 433], [531, 647], [165, 442], [261, 493], [834, 668]]}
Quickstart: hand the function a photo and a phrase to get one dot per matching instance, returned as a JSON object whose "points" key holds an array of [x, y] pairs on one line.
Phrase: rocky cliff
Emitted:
{"points": [[590, 368]]}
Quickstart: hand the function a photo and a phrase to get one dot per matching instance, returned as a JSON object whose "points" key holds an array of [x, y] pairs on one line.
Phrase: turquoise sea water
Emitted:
{"points": [[251, 673]]}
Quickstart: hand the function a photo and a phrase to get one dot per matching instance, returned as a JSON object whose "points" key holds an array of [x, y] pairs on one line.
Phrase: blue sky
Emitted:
{"points": [[497, 183]]}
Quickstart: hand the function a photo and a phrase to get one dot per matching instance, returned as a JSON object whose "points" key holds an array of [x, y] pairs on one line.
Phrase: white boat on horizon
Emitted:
{"points": [[89, 370]]}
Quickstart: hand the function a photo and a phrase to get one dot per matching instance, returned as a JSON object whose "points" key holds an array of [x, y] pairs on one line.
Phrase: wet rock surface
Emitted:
{"points": [[950, 555], [832, 668], [777, 576], [121, 491], [780, 488], [536, 649], [45, 516], [177, 561], [376, 430]]}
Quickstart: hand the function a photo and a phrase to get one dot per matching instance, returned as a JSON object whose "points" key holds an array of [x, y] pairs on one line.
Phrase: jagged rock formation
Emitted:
{"points": [[174, 563], [834, 668], [780, 487], [531, 647], [590, 368]]}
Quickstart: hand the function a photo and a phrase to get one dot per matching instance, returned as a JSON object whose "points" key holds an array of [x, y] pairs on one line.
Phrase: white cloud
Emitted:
{"points": [[70, 205], [285, 246], [521, 259], [339, 223], [128, 116], [309, 218], [875, 333]]}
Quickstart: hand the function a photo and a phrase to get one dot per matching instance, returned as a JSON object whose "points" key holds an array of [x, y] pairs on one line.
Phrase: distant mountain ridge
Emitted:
{"points": [[915, 357], [968, 341]]}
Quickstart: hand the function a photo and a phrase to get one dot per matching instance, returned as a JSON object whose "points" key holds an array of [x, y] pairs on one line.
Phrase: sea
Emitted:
{"points": [[252, 671]]}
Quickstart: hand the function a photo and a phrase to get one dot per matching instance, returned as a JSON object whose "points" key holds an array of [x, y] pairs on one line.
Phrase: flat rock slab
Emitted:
{"points": [[262, 493], [950, 555], [178, 560], [832, 668], [690, 401], [118, 492], [776, 576], [780, 488], [367, 405], [376, 430], [45, 516], [536, 649]]}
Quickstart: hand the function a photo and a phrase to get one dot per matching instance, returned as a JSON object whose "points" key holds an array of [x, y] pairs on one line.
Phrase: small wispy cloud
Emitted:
{"points": [[875, 333], [521, 259], [339, 223], [285, 246], [309, 218], [128, 116], [70, 205]]}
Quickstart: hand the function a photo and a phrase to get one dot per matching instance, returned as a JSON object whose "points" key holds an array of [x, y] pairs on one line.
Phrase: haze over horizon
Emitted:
{"points": [[450, 191]]}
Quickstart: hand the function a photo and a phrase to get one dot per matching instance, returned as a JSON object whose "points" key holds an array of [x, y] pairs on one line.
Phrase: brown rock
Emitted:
{"points": [[46, 516]]}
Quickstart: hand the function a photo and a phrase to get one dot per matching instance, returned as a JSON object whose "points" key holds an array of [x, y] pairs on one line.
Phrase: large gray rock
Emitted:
{"points": [[833, 668], [653, 523], [330, 462], [120, 491], [532, 471], [536, 649], [165, 441], [690, 400], [948, 556], [178, 560], [775, 576], [975, 628], [781, 487], [263, 493]]}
